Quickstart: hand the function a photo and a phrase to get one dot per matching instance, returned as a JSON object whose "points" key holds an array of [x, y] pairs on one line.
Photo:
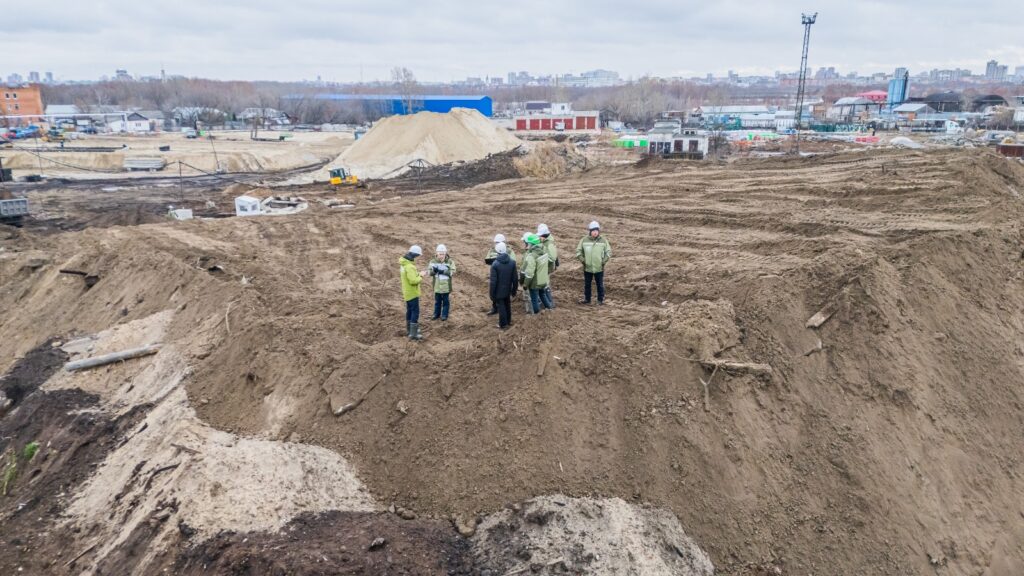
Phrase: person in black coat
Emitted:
{"points": [[504, 284]]}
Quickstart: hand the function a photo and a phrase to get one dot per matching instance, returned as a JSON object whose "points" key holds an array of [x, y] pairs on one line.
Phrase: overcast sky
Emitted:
{"points": [[444, 40]]}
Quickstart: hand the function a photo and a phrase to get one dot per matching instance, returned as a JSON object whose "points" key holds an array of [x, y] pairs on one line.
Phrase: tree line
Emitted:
{"points": [[638, 103]]}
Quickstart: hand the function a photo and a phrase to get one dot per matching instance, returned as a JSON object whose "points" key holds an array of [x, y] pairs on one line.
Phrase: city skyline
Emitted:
{"points": [[452, 40]]}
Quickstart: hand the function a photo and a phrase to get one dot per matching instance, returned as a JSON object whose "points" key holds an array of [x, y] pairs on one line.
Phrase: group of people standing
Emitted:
{"points": [[539, 262]]}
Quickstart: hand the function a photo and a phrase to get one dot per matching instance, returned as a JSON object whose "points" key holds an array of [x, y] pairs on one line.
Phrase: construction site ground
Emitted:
{"points": [[226, 152], [815, 364]]}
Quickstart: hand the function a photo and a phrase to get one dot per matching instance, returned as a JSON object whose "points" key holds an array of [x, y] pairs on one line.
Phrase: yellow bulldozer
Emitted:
{"points": [[342, 177]]}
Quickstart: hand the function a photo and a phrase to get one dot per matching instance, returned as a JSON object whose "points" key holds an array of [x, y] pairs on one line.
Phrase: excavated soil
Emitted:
{"points": [[884, 439], [72, 440], [333, 543]]}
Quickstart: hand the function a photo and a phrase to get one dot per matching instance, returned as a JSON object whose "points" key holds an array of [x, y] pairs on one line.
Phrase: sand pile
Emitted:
{"points": [[462, 135], [602, 537], [180, 471]]}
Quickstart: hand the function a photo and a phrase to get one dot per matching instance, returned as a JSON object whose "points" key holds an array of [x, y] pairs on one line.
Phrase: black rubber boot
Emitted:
{"points": [[414, 331]]}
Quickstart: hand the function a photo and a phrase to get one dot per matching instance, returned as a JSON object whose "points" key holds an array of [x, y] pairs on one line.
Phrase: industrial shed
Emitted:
{"points": [[397, 104]]}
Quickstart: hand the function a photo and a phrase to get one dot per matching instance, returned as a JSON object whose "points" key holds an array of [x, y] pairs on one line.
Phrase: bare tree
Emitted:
{"points": [[405, 82]]}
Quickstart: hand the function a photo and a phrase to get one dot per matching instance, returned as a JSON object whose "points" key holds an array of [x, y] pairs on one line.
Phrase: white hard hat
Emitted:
{"points": [[594, 226], [442, 248], [542, 229], [499, 238], [500, 248], [415, 249]]}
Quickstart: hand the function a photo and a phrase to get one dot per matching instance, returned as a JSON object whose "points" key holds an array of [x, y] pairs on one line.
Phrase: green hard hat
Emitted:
{"points": [[532, 239]]}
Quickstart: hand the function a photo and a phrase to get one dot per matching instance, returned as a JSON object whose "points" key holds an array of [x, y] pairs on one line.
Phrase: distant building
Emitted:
{"points": [[136, 123], [912, 110], [876, 96], [538, 107], [756, 116], [898, 88], [852, 108], [62, 112], [995, 72], [558, 117], [122, 74], [669, 138], [22, 101], [591, 79], [268, 115], [49, 78], [397, 104], [15, 78], [33, 77], [987, 102], [945, 101]]}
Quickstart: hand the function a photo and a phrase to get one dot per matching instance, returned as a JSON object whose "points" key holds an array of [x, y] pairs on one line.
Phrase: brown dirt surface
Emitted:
{"points": [[72, 439], [334, 543], [884, 441], [29, 372]]}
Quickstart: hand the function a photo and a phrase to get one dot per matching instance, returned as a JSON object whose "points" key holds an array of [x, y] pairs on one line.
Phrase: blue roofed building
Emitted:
{"points": [[397, 104]]}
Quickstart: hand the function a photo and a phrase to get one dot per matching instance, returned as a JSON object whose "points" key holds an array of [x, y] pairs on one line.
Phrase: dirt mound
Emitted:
{"points": [[425, 138], [333, 543], [551, 161], [880, 438], [50, 442], [29, 373], [558, 535]]}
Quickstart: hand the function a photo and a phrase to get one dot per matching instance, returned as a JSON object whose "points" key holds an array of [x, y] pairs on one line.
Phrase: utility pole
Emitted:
{"points": [[801, 90]]}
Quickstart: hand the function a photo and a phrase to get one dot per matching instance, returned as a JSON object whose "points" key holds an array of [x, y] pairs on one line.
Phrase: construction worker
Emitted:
{"points": [[411, 279], [442, 268], [593, 251], [492, 255], [503, 284], [547, 241], [536, 273]]}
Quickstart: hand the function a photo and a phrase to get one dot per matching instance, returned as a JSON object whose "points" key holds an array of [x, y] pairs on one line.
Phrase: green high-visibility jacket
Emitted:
{"points": [[442, 279], [535, 268], [410, 279], [549, 245], [593, 253], [492, 255]]}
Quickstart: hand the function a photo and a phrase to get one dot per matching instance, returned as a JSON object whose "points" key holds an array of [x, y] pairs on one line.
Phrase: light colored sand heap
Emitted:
{"points": [[461, 135]]}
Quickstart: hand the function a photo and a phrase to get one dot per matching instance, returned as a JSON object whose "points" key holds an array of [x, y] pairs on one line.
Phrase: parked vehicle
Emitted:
{"points": [[31, 131]]}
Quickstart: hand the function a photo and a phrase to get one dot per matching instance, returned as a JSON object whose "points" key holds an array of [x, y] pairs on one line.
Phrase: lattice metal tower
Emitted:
{"points": [[801, 90]]}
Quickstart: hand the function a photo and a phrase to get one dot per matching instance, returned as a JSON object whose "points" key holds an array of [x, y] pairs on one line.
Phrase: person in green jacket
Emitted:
{"points": [[593, 251], [411, 278], [536, 274], [547, 241], [442, 268], [492, 255]]}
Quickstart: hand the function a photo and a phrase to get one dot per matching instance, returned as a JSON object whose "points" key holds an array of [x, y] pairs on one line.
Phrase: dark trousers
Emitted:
{"points": [[504, 311], [599, 278], [540, 296], [441, 305], [412, 311]]}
